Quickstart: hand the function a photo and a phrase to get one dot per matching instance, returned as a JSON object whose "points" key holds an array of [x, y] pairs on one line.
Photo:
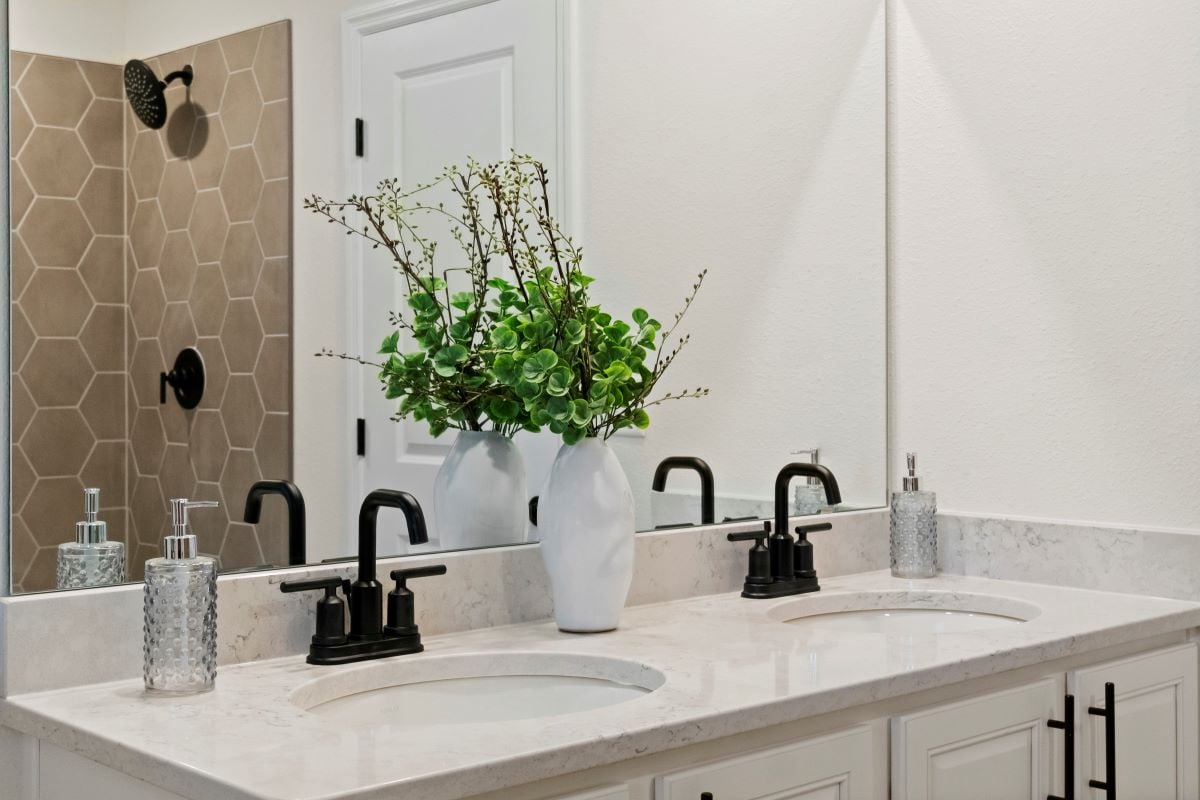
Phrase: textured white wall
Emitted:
{"points": [[1045, 169], [93, 30]]}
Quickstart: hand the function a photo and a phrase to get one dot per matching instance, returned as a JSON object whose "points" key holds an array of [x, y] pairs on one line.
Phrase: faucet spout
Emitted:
{"points": [[291, 495], [707, 485], [782, 557], [366, 598]]}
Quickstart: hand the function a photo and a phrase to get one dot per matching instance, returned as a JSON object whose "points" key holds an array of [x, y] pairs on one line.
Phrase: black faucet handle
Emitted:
{"points": [[331, 609], [758, 571], [401, 602], [750, 536], [804, 530]]}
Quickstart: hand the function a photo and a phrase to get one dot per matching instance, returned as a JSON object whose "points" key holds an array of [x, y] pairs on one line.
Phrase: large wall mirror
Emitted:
{"points": [[171, 293]]}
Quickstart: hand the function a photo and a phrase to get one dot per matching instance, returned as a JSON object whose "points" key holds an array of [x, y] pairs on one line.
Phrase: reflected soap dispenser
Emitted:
{"points": [[913, 528], [180, 644], [90, 560], [809, 497]]}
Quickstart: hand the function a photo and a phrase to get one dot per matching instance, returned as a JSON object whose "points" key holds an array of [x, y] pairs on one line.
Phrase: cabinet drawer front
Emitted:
{"points": [[1156, 727], [841, 766], [607, 793], [994, 746], [67, 776]]}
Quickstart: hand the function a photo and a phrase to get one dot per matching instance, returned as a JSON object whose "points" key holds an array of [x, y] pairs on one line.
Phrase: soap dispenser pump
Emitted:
{"points": [[913, 527], [180, 644], [90, 560]]}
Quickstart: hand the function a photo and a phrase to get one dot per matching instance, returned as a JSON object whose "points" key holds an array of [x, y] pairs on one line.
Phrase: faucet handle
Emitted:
{"points": [[401, 603], [331, 609], [750, 536], [758, 572], [804, 530]]}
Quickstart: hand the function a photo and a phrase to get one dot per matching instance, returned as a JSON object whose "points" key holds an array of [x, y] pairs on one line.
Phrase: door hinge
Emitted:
{"points": [[359, 137], [361, 436]]}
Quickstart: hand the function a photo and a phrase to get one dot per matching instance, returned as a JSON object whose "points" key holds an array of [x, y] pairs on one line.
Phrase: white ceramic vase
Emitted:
{"points": [[479, 493], [585, 521]]}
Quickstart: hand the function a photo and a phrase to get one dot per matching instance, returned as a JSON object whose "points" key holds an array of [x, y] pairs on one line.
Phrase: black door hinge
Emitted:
{"points": [[359, 137], [361, 436]]}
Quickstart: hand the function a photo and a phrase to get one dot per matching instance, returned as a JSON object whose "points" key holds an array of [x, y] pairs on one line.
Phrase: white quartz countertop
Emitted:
{"points": [[729, 667]]}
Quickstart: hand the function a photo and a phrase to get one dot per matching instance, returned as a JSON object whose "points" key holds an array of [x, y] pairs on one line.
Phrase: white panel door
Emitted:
{"points": [[608, 793], [1156, 725], [994, 747], [850, 765], [478, 83]]}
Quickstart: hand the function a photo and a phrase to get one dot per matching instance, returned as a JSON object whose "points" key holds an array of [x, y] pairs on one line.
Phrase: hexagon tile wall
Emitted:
{"points": [[103, 300]]}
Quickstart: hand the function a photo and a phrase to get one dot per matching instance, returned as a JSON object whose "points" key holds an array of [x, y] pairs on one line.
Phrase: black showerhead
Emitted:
{"points": [[145, 91]]}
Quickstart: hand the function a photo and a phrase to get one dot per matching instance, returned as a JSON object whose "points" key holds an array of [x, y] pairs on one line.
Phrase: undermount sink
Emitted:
{"points": [[903, 612], [474, 689]]}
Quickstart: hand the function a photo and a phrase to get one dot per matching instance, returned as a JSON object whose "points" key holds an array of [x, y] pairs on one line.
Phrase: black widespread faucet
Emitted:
{"points": [[708, 514], [779, 565], [291, 495], [369, 637]]}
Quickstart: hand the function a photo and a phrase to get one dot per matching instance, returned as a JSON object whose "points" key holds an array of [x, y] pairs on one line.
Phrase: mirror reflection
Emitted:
{"points": [[175, 298]]}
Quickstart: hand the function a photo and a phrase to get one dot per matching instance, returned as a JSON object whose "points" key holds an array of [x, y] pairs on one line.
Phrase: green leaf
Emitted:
{"points": [[581, 413], [640, 315], [641, 420], [573, 331], [504, 338], [506, 369], [446, 362], [560, 381], [538, 365], [573, 435], [559, 408], [391, 343], [463, 300]]}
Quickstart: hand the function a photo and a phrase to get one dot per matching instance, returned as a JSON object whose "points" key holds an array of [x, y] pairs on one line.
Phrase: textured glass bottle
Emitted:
{"points": [[914, 528], [180, 644], [90, 560]]}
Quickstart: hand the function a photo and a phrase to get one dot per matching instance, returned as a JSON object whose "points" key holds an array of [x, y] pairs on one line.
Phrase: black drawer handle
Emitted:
{"points": [[706, 796], [1067, 726], [1109, 712]]}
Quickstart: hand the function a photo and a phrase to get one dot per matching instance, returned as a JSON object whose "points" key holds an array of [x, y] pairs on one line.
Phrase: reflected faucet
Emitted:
{"points": [[291, 495], [366, 593], [708, 512]]}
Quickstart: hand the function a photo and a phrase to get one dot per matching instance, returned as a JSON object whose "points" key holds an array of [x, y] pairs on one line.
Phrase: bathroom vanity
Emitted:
{"points": [[930, 687]]}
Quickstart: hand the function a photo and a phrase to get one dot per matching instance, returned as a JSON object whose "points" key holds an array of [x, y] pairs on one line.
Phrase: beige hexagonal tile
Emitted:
{"points": [[144, 370], [177, 195], [105, 470], [54, 91], [239, 48], [102, 133], [241, 184], [242, 410], [57, 442], [24, 550], [22, 267], [20, 124], [103, 405], [106, 80], [148, 440], [21, 337], [241, 259], [216, 371], [23, 407], [208, 156], [178, 330], [103, 338], [56, 372], [103, 269], [274, 446], [239, 473], [59, 301], [23, 477], [177, 266], [102, 201], [176, 421], [272, 62], [187, 126], [55, 162], [208, 226], [18, 62], [151, 516], [273, 218], [55, 232], [210, 532], [21, 196], [209, 300], [146, 164], [177, 478], [146, 303], [147, 234], [208, 444], [272, 295], [273, 373], [210, 75], [42, 573], [241, 106], [241, 548], [241, 336]]}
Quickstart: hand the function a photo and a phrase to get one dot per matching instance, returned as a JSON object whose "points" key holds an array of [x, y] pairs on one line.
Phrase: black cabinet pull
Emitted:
{"points": [[706, 796], [1067, 726], [1109, 712]]}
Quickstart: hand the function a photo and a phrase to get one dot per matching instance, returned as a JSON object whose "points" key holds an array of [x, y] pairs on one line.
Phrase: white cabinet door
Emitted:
{"points": [[1156, 725], [607, 793], [64, 775], [997, 746], [844, 766]]}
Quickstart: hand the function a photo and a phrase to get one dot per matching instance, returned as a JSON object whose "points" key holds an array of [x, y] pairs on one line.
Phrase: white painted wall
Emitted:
{"points": [[1045, 188], [93, 30]]}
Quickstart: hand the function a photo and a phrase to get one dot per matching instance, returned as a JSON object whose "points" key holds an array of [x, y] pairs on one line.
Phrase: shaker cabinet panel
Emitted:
{"points": [[849, 765], [64, 775], [1156, 725], [607, 793], [994, 746]]}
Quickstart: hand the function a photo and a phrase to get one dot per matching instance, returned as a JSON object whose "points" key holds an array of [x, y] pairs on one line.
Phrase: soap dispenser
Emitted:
{"points": [[180, 644], [809, 496], [90, 560], [913, 528]]}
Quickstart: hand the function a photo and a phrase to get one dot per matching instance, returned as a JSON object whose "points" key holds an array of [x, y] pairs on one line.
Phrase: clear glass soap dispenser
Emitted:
{"points": [[809, 497], [180, 645], [90, 560], [914, 528]]}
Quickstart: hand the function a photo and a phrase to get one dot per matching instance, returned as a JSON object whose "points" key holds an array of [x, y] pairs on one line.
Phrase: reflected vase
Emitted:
{"points": [[586, 524], [479, 493]]}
